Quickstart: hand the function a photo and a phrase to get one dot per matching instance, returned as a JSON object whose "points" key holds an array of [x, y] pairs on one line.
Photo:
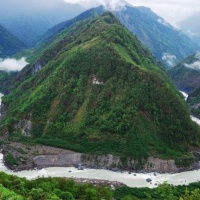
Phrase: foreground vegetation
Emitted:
{"points": [[15, 188]]}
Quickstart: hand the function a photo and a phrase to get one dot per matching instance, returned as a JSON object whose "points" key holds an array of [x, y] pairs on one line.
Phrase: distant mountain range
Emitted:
{"points": [[27, 20], [9, 44], [191, 26], [167, 44]]}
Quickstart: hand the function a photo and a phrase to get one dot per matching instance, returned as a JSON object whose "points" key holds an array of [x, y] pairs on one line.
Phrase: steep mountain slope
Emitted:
{"points": [[51, 33], [166, 43], [30, 19], [9, 44], [186, 75], [99, 91]]}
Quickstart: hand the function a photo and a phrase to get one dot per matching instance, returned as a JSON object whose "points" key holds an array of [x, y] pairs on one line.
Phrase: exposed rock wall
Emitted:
{"points": [[24, 125], [109, 162], [61, 160], [37, 66]]}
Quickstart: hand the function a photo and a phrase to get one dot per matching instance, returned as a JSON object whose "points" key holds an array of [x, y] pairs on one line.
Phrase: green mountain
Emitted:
{"points": [[167, 44], [97, 89], [9, 44]]}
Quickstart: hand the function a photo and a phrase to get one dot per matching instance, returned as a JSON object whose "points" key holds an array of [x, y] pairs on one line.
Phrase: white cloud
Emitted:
{"points": [[169, 59], [12, 64], [163, 22], [197, 55], [195, 65], [172, 11], [111, 4]]}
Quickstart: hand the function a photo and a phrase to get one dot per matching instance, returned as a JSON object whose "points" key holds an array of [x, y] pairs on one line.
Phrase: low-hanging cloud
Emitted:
{"points": [[12, 64], [196, 64], [111, 4], [169, 59]]}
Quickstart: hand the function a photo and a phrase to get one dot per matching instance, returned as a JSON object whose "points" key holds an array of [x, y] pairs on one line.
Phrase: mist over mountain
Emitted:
{"points": [[186, 75], [168, 45], [191, 26], [29, 19]]}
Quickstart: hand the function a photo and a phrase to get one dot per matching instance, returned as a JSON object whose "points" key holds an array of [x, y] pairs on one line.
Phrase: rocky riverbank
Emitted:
{"points": [[111, 162], [113, 184], [18, 156]]}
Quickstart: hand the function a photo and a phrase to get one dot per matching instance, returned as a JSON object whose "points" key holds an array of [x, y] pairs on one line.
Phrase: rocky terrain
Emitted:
{"points": [[39, 156]]}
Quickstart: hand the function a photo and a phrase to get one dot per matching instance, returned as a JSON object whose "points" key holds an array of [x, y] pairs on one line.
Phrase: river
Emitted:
{"points": [[131, 180]]}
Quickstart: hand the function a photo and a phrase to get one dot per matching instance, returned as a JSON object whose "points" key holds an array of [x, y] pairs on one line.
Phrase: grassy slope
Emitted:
{"points": [[135, 112]]}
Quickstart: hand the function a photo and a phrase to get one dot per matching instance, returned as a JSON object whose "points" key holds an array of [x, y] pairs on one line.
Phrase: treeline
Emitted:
{"points": [[15, 188]]}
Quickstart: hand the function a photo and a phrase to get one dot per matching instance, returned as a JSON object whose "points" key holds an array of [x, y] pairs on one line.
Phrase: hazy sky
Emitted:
{"points": [[171, 10]]}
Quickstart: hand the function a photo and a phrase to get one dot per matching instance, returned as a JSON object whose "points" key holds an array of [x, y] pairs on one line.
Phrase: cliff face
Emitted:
{"points": [[109, 162]]}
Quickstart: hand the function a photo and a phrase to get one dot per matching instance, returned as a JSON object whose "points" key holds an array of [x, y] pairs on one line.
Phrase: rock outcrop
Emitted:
{"points": [[24, 126], [61, 160], [109, 162]]}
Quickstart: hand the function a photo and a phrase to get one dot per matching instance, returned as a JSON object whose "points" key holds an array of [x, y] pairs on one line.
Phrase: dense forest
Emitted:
{"points": [[15, 188], [100, 91]]}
